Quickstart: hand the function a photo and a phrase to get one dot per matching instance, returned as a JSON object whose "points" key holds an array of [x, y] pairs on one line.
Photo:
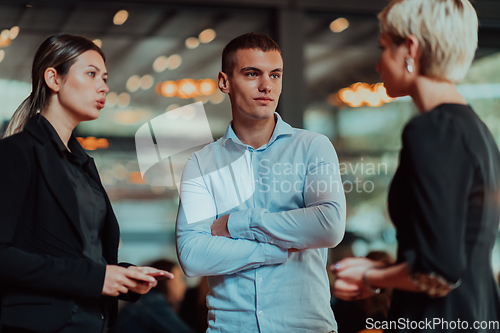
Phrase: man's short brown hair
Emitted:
{"points": [[247, 41]]}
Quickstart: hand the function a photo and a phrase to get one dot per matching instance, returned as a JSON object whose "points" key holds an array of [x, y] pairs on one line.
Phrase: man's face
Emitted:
{"points": [[255, 84]]}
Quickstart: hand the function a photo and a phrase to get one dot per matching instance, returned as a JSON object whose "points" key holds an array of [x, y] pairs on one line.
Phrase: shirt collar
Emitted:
{"points": [[77, 154], [281, 129]]}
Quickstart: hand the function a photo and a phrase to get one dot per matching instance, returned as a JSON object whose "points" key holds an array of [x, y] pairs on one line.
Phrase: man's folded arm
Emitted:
{"points": [[320, 224], [200, 253]]}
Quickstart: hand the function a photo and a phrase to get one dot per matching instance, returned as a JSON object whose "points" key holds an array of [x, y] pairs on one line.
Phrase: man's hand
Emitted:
{"points": [[219, 227]]}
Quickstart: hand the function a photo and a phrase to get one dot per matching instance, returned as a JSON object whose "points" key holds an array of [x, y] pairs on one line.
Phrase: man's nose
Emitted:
{"points": [[265, 85]]}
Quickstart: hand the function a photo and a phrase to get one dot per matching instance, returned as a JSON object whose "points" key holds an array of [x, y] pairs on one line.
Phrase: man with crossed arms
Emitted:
{"points": [[261, 206]]}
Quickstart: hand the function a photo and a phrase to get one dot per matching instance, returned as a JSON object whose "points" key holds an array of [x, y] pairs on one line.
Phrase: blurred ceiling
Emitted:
{"points": [[330, 61], [155, 27]]}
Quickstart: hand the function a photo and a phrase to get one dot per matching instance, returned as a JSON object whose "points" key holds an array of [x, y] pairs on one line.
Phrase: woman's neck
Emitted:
{"points": [[428, 93], [62, 123]]}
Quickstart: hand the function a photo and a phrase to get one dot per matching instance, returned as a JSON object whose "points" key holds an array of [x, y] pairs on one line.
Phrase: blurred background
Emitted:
{"points": [[166, 54]]}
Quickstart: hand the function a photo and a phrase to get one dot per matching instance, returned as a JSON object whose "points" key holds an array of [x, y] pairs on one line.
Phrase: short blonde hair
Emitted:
{"points": [[446, 31]]}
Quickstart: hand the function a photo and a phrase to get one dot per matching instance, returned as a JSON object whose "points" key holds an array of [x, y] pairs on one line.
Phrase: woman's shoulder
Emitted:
{"points": [[17, 143], [444, 121]]}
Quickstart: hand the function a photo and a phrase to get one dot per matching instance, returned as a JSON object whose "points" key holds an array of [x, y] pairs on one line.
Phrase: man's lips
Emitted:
{"points": [[263, 99]]}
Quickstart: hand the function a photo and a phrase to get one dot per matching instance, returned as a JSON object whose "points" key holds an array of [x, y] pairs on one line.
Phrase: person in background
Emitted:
{"points": [[443, 199], [58, 233], [156, 311], [193, 310]]}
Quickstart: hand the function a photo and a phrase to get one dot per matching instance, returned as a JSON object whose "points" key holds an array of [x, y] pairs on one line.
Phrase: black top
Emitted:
{"points": [[91, 202], [444, 202]]}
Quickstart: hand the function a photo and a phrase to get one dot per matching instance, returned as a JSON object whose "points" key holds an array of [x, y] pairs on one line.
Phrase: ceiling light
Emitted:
{"points": [[120, 17], [14, 31], [5, 34], [147, 82], [111, 99], [339, 25], [207, 86], [207, 35], [174, 61], [160, 64], [192, 43], [187, 88], [97, 42], [169, 88], [126, 117], [133, 83], [4, 42], [123, 100]]}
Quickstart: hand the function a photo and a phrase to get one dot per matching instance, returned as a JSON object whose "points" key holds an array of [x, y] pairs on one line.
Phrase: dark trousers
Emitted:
{"points": [[84, 319]]}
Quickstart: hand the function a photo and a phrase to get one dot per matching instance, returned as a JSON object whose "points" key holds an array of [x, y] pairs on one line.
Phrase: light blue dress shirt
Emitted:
{"points": [[284, 195]]}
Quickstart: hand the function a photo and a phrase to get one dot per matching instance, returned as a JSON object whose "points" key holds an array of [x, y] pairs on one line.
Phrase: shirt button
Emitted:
{"points": [[261, 313], [260, 279], [256, 180], [102, 316]]}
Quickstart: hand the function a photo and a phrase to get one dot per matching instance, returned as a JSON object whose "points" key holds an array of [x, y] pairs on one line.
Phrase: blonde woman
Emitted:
{"points": [[444, 198]]}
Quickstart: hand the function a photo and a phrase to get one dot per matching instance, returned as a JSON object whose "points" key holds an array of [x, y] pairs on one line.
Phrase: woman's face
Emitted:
{"points": [[392, 66], [82, 92]]}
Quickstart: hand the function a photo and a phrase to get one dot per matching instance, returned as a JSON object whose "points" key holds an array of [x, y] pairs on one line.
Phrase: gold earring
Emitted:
{"points": [[409, 65]]}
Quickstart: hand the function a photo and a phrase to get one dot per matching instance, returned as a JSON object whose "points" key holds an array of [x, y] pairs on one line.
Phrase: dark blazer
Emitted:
{"points": [[42, 267]]}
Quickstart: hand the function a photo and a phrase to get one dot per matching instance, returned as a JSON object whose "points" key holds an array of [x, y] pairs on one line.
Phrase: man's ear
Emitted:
{"points": [[223, 82], [52, 79]]}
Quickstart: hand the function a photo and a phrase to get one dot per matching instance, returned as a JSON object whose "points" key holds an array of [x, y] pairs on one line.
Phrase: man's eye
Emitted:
{"points": [[91, 74], [276, 76], [251, 74]]}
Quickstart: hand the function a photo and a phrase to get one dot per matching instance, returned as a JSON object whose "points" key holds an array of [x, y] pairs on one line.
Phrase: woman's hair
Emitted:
{"points": [[446, 31], [59, 52]]}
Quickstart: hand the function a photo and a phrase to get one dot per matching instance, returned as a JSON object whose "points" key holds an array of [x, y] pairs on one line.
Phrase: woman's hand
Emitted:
{"points": [[120, 280], [345, 290], [349, 272], [144, 287], [355, 262], [158, 274], [349, 291]]}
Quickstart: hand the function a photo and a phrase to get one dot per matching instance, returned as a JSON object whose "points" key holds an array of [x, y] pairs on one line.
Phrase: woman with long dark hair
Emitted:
{"points": [[58, 233], [444, 198]]}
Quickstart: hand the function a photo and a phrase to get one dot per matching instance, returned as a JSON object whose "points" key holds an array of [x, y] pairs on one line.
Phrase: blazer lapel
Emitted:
{"points": [[58, 182]]}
